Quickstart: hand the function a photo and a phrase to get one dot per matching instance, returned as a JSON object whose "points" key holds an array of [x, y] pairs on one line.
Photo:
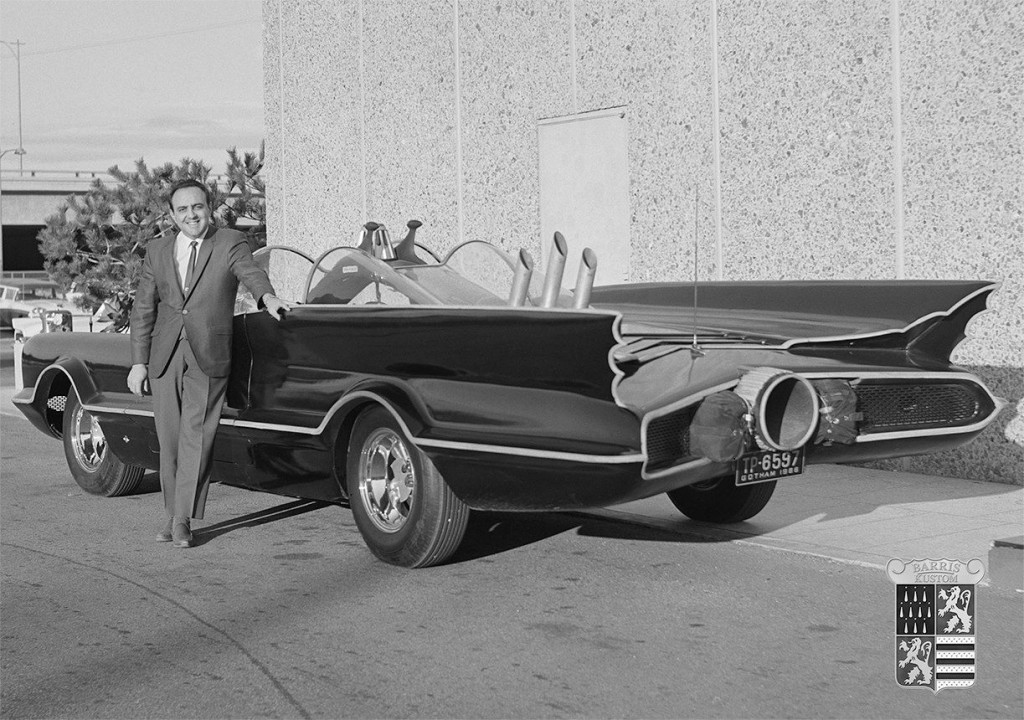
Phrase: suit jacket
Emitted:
{"points": [[161, 309]]}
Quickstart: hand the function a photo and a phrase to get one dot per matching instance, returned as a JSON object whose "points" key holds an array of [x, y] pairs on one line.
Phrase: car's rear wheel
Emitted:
{"points": [[722, 501], [95, 468], [405, 511]]}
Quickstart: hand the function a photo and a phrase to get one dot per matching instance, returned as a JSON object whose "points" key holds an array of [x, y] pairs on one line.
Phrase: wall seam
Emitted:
{"points": [[716, 144], [897, 133], [572, 55], [458, 128], [362, 115], [280, 83]]}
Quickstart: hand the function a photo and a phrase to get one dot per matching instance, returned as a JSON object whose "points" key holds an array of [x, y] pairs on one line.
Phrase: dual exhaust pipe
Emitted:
{"points": [[553, 279], [772, 409]]}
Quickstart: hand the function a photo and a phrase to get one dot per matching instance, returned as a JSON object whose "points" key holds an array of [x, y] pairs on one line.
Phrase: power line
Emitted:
{"points": [[125, 41]]}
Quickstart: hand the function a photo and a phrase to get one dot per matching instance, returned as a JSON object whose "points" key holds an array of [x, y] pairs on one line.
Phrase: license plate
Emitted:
{"points": [[768, 465]]}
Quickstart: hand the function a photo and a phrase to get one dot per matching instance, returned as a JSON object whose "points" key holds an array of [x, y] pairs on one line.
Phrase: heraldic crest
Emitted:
{"points": [[936, 621]]}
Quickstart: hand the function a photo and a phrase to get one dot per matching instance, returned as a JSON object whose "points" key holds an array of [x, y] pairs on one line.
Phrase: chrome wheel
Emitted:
{"points": [[403, 508], [87, 441], [91, 460], [387, 480]]}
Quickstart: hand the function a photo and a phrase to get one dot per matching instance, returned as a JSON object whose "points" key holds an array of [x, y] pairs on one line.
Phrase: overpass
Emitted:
{"points": [[27, 198]]}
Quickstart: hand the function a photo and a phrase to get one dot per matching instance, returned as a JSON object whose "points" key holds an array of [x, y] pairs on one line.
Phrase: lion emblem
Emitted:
{"points": [[957, 602], [921, 673]]}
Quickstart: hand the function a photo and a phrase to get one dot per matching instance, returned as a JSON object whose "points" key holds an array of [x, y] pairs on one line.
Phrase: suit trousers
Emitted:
{"points": [[187, 407]]}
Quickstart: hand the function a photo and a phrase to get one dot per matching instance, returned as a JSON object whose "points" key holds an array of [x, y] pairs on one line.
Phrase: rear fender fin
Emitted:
{"points": [[939, 337]]}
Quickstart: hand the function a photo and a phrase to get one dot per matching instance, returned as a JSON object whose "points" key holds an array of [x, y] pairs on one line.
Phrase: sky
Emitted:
{"points": [[106, 82]]}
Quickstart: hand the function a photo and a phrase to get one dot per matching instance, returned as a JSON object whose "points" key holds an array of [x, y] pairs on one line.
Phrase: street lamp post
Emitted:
{"points": [[15, 49]]}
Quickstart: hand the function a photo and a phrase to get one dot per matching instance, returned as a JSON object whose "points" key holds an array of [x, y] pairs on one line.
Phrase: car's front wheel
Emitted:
{"points": [[405, 511], [95, 468], [721, 500]]}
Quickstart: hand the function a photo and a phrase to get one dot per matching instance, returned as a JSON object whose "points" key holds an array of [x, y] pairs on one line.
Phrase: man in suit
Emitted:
{"points": [[181, 344]]}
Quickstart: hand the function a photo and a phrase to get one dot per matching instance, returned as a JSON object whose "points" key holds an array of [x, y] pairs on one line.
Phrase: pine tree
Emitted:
{"points": [[95, 243]]}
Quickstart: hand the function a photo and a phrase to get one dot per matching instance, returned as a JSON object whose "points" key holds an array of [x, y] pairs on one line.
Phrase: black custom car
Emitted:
{"points": [[414, 389]]}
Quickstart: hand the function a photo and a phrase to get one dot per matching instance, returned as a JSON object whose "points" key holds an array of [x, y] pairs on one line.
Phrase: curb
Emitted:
{"points": [[1006, 563]]}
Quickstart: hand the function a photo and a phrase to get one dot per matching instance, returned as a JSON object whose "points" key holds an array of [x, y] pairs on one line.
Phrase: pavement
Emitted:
{"points": [[865, 516], [854, 515]]}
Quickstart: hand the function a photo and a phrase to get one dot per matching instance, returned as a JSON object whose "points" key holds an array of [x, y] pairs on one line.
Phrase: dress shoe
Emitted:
{"points": [[165, 534], [182, 534]]}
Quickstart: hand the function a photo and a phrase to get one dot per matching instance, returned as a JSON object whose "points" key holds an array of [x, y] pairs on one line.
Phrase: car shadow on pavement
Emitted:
{"points": [[493, 533], [150, 483], [204, 535]]}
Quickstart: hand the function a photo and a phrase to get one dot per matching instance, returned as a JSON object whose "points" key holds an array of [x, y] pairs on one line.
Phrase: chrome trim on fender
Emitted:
{"points": [[440, 444], [617, 373], [35, 387], [991, 287], [699, 462]]}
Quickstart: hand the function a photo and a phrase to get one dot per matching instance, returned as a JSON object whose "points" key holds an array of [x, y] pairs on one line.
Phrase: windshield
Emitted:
{"points": [[346, 276], [474, 274], [449, 287]]}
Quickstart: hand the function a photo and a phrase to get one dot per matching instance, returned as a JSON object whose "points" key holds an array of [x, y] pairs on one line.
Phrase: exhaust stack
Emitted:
{"points": [[521, 281], [585, 279], [381, 242], [366, 237], [556, 266], [784, 405]]}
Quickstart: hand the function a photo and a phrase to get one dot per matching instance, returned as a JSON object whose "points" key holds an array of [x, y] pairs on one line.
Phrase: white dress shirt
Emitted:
{"points": [[182, 249]]}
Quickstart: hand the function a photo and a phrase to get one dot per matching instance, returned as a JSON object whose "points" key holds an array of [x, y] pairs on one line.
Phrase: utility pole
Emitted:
{"points": [[15, 49]]}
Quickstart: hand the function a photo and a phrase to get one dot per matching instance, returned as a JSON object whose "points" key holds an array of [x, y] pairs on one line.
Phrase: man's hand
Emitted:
{"points": [[275, 306], [137, 378]]}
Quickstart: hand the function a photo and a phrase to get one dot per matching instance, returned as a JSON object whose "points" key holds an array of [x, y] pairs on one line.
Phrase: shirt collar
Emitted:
{"points": [[183, 240]]}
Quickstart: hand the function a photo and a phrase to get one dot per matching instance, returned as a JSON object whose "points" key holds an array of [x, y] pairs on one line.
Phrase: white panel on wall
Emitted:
{"points": [[584, 190]]}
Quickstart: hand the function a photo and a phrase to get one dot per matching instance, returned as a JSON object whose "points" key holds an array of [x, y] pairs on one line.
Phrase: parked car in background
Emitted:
{"points": [[27, 297]]}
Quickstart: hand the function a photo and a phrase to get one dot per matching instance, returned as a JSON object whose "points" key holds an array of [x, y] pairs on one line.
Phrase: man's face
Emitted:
{"points": [[190, 212]]}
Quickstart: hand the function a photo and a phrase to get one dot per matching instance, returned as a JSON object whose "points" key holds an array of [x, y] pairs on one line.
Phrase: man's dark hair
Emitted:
{"points": [[190, 182]]}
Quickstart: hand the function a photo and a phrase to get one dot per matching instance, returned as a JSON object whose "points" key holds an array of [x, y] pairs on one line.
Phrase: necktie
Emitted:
{"points": [[191, 267]]}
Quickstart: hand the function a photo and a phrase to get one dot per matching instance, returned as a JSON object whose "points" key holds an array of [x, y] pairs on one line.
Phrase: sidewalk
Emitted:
{"points": [[866, 516], [856, 515]]}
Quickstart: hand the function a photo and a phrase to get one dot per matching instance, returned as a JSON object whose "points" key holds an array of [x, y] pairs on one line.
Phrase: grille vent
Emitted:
{"points": [[57, 403], [668, 438], [886, 407], [892, 407]]}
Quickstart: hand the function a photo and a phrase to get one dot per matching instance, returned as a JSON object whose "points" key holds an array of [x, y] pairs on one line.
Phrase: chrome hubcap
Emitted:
{"points": [[387, 480], [87, 440]]}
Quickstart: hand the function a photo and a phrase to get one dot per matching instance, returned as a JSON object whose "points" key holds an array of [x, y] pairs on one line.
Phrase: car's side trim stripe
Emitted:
{"points": [[510, 450], [645, 475], [439, 444], [530, 452]]}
